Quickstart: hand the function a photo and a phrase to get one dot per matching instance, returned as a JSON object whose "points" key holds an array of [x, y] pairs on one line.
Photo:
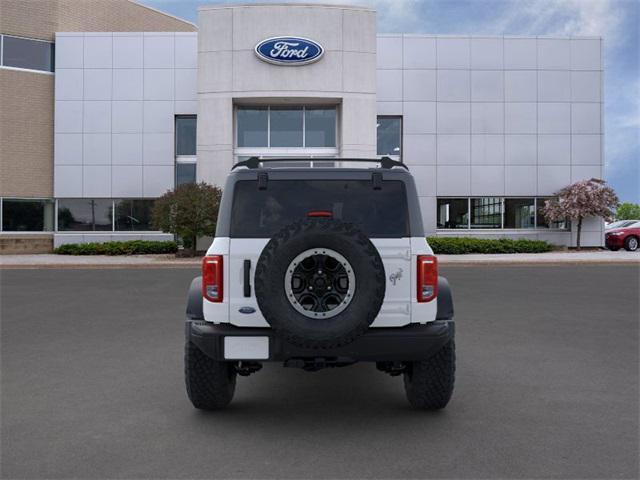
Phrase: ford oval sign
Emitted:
{"points": [[289, 51]]}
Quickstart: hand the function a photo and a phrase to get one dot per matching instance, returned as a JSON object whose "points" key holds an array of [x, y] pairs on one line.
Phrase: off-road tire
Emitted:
{"points": [[630, 245], [210, 384], [429, 383], [370, 283]]}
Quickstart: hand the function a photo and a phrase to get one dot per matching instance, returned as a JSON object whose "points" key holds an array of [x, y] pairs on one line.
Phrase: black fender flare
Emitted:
{"points": [[445, 300], [194, 300]]}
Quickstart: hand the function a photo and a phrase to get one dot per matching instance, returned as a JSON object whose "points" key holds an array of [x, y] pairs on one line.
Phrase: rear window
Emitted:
{"points": [[261, 213]]}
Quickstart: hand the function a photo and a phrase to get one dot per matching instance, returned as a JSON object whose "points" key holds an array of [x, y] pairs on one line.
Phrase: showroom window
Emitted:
{"points": [[542, 222], [278, 130], [389, 136], [133, 215], [26, 53], [104, 215], [453, 213], [27, 215], [186, 140], [493, 213], [486, 212], [85, 215], [519, 213]]}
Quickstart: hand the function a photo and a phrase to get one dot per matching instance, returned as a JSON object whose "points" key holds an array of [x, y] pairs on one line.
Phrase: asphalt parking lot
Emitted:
{"points": [[547, 386]]}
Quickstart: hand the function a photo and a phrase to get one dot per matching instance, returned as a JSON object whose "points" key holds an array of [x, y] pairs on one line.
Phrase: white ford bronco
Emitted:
{"points": [[319, 267]]}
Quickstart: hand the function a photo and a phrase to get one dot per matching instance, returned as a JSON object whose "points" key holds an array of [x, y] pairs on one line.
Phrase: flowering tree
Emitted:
{"points": [[586, 198], [190, 211]]}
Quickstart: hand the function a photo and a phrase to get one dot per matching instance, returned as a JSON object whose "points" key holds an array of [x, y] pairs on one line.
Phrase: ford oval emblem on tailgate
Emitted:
{"points": [[247, 310]]}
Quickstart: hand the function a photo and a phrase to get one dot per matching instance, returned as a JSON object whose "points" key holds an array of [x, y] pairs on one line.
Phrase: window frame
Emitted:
{"points": [[269, 151], [183, 159], [393, 157], [22, 69], [29, 232]]}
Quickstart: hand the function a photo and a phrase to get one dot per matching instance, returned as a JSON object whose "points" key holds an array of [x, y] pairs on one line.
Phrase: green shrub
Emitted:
{"points": [[132, 247], [462, 245]]}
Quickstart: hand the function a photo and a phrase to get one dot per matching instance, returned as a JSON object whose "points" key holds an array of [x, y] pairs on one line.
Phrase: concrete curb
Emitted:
{"points": [[11, 262]]}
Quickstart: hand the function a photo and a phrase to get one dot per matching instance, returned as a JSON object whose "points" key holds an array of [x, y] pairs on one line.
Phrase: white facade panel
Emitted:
{"points": [[98, 52], [109, 131], [419, 52], [69, 84], [453, 52], [520, 86], [128, 84], [453, 117], [127, 51], [487, 53], [520, 53], [487, 117], [97, 85], [487, 85], [96, 149]]}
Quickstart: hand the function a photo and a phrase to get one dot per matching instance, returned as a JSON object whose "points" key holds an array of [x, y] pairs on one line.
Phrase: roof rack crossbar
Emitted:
{"points": [[385, 162]]}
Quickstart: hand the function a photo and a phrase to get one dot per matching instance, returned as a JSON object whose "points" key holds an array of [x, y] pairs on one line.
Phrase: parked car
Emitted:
{"points": [[627, 237], [620, 224], [316, 268]]}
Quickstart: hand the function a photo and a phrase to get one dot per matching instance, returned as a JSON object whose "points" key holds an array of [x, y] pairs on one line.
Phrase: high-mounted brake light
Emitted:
{"points": [[427, 278], [320, 213], [212, 278]]}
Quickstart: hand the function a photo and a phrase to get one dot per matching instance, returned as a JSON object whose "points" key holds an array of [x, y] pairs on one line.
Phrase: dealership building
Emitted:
{"points": [[107, 105]]}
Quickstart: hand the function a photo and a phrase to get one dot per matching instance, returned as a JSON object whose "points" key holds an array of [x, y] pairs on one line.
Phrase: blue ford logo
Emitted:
{"points": [[289, 50]]}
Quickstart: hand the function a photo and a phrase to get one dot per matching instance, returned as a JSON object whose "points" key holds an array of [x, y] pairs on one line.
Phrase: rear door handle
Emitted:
{"points": [[247, 275]]}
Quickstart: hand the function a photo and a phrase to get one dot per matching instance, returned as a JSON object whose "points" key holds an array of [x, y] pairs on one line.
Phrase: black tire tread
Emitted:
{"points": [[429, 383], [210, 383]]}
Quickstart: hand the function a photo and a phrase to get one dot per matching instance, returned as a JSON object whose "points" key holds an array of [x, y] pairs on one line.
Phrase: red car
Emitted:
{"points": [[627, 237]]}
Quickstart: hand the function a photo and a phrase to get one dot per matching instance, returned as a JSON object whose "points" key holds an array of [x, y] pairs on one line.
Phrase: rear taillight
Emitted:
{"points": [[212, 278], [427, 278]]}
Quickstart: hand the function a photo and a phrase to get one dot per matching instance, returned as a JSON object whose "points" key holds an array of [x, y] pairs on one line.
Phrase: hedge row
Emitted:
{"points": [[131, 247], [462, 245]]}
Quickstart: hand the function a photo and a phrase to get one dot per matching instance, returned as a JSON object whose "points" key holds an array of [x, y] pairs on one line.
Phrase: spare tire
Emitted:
{"points": [[320, 283]]}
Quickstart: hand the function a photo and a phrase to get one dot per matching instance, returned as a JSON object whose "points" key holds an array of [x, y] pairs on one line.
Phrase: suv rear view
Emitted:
{"points": [[315, 268]]}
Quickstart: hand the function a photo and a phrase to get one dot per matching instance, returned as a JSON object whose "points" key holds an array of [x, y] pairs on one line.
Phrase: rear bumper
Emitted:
{"points": [[614, 241], [413, 342]]}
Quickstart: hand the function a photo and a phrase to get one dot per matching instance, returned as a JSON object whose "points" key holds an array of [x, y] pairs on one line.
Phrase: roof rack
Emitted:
{"points": [[385, 162]]}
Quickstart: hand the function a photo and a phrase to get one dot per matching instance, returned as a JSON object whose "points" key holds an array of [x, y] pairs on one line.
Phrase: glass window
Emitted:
{"points": [[261, 213], [320, 127], [519, 213], [486, 212], [133, 215], [26, 53], [253, 124], [389, 132], [185, 173], [453, 213], [83, 214], [286, 127], [542, 222], [26, 215], [186, 135]]}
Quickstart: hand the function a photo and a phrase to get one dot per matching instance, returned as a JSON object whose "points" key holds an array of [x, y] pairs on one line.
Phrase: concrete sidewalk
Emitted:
{"points": [[170, 261]]}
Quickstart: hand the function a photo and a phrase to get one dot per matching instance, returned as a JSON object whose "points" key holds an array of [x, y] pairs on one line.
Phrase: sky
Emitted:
{"points": [[617, 21]]}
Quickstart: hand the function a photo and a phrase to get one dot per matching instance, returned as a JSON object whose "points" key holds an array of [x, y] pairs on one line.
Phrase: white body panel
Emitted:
{"points": [[399, 308]]}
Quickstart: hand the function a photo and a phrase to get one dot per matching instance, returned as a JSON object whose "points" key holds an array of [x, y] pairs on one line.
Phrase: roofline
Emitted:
{"points": [[286, 4], [137, 2]]}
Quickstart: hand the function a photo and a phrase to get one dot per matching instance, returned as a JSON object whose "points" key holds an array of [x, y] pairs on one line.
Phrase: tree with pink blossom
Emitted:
{"points": [[586, 198]]}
